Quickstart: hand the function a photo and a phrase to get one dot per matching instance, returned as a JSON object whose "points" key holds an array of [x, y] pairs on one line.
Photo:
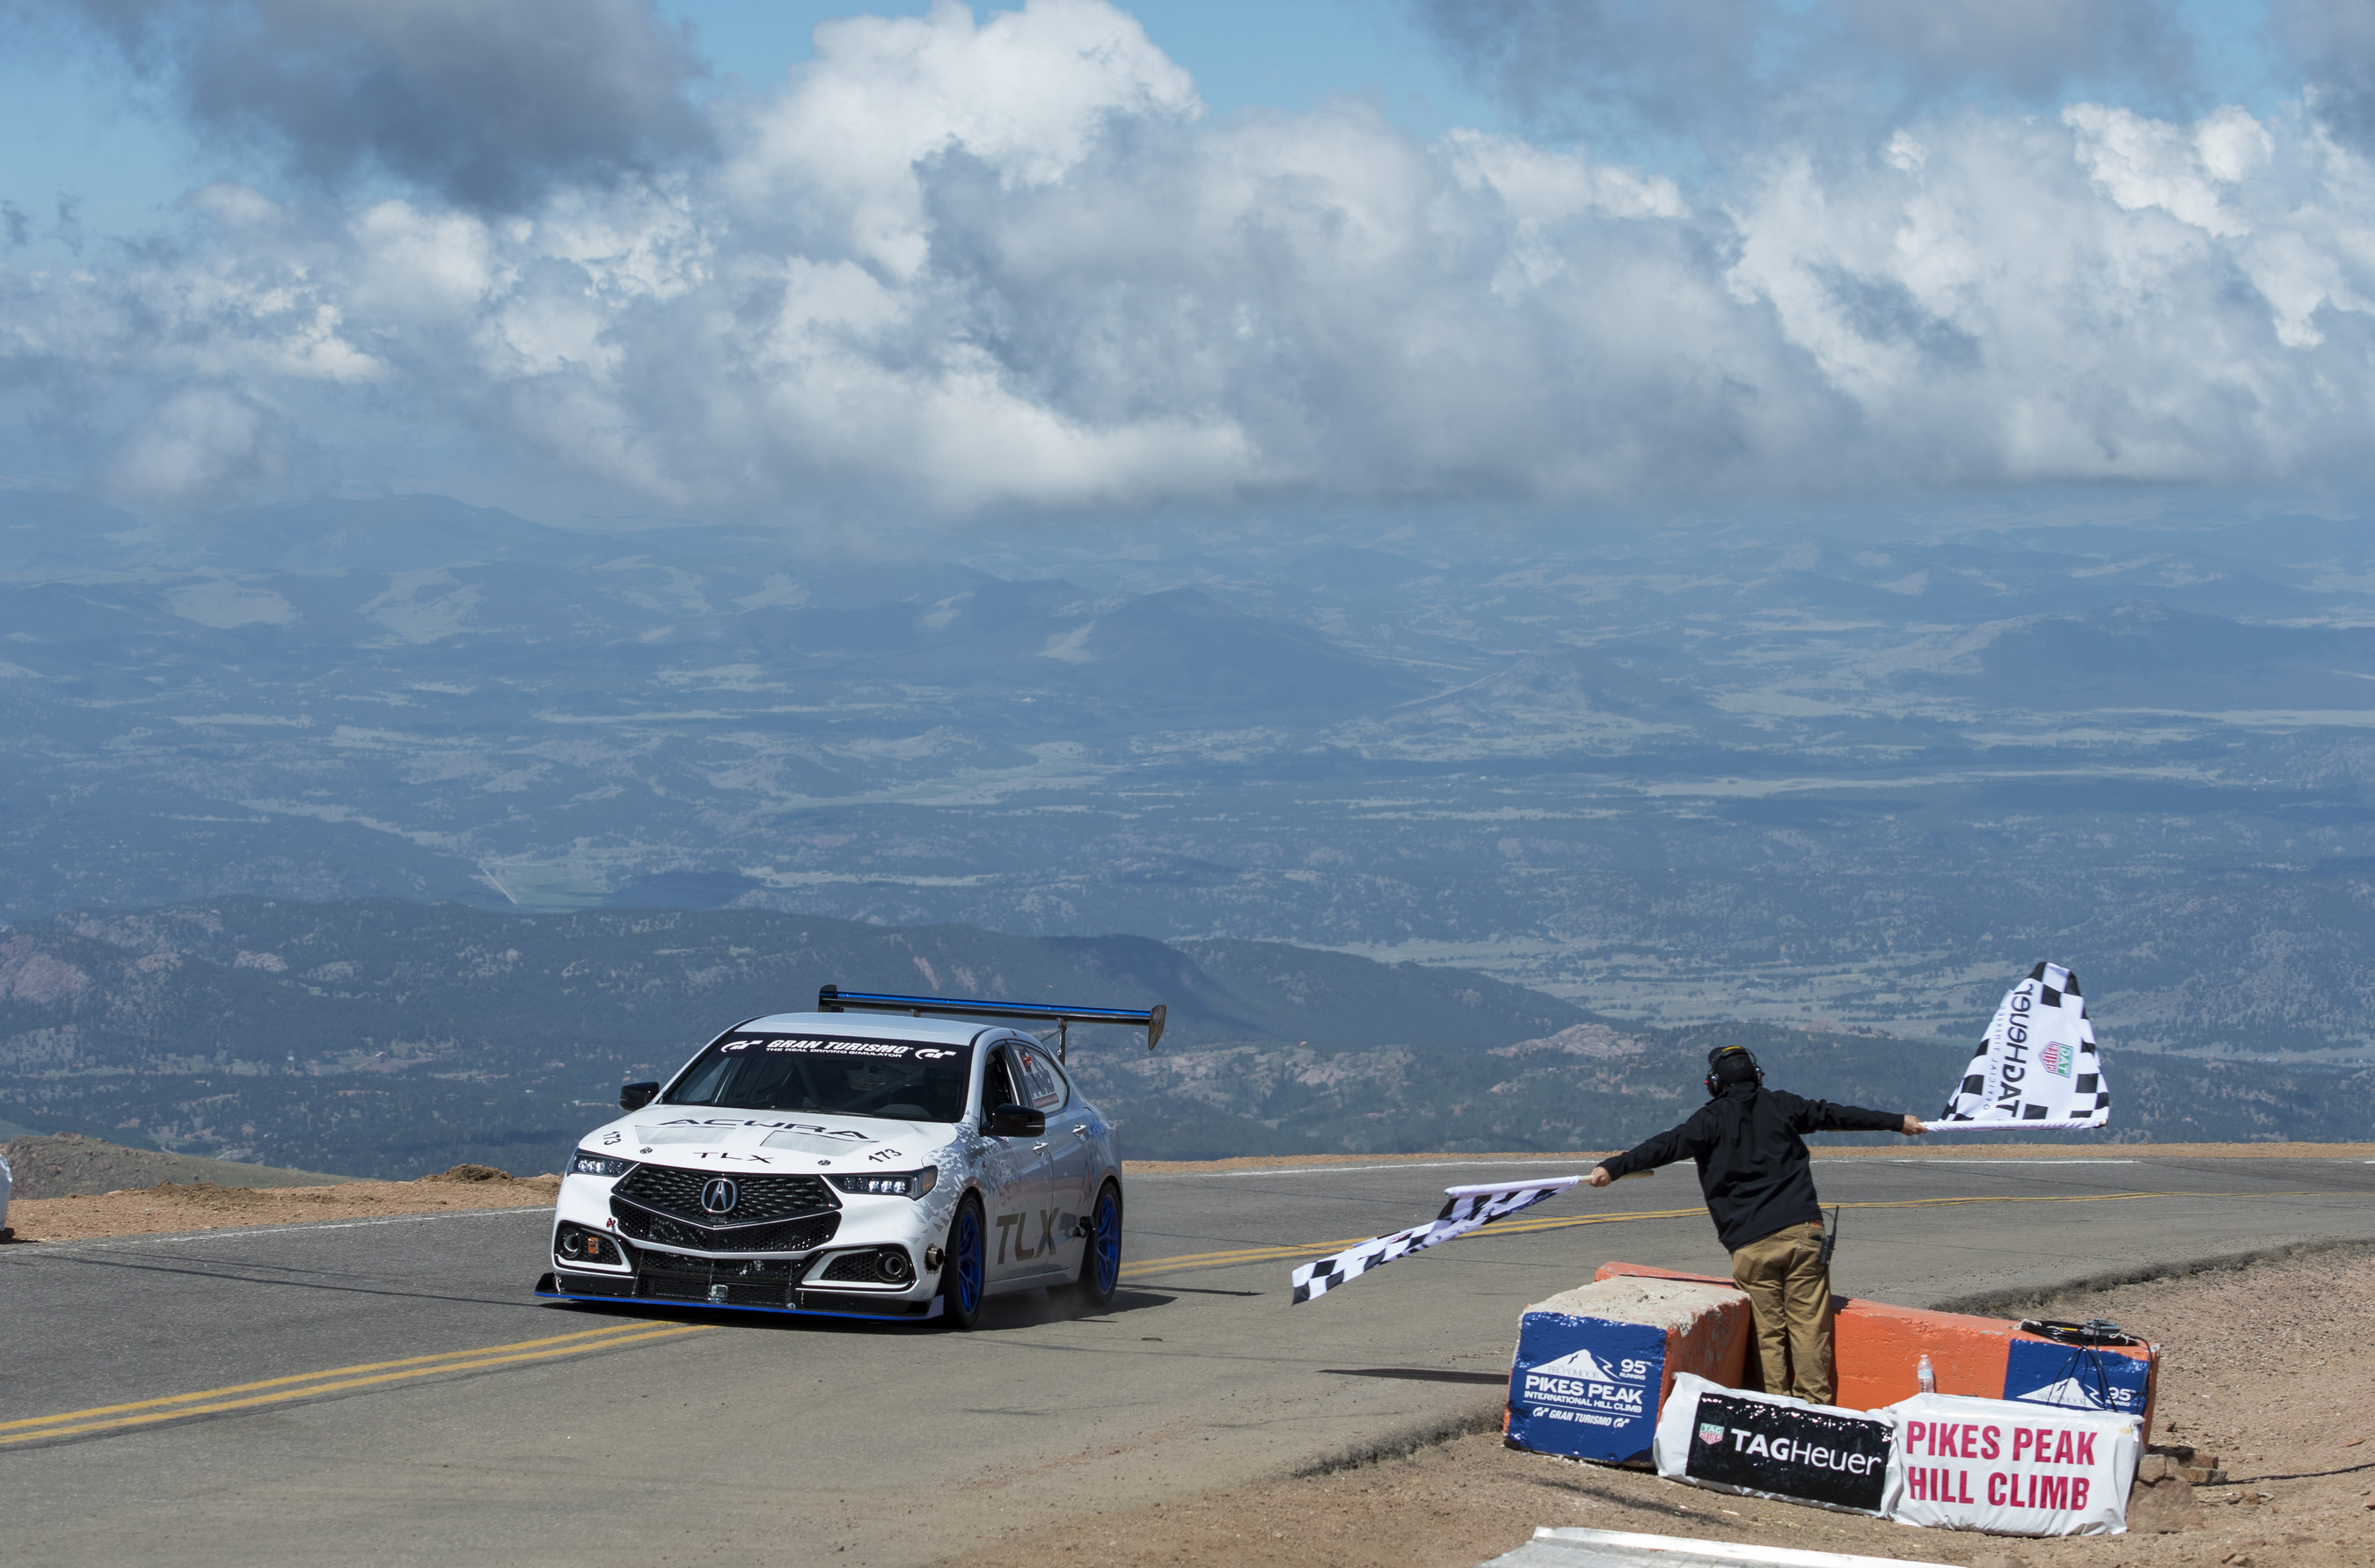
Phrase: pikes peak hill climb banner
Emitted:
{"points": [[2013, 1469], [2036, 1070]]}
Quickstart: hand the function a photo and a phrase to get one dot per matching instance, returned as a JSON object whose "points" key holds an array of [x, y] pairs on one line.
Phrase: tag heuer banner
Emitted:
{"points": [[2036, 1070], [1467, 1208], [1761, 1445]]}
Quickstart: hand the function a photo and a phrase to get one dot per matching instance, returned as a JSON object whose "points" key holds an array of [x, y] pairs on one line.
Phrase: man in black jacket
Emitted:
{"points": [[1760, 1191]]}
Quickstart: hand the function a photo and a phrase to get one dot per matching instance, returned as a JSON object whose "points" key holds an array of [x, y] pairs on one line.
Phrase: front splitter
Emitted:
{"points": [[549, 1288]]}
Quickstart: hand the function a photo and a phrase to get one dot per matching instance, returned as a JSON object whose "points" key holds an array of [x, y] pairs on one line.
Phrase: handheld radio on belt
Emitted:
{"points": [[1830, 1240]]}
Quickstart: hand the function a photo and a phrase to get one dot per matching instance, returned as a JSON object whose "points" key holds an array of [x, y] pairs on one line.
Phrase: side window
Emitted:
{"points": [[1039, 1078], [701, 1085], [997, 1085], [1063, 1085]]}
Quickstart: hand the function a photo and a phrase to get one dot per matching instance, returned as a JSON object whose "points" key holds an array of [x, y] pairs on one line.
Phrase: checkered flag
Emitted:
{"points": [[2036, 1070], [1467, 1208]]}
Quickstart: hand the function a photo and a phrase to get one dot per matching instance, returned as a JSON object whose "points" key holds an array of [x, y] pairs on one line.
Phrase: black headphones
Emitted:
{"points": [[1716, 1085]]}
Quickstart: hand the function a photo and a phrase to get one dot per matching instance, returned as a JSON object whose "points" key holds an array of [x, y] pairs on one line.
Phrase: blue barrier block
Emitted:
{"points": [[1585, 1387], [2078, 1376]]}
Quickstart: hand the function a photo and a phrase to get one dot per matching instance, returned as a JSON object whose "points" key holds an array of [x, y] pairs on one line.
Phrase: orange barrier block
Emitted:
{"points": [[1880, 1347]]}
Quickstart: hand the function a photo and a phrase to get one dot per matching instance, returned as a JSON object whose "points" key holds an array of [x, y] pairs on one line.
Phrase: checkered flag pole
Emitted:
{"points": [[2038, 1069], [1465, 1210]]}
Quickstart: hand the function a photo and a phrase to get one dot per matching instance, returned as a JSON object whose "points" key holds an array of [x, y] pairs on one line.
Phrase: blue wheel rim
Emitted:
{"points": [[1108, 1243], [968, 1261]]}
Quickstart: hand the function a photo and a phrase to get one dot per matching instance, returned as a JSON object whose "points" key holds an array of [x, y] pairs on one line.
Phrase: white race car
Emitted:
{"points": [[906, 1168]]}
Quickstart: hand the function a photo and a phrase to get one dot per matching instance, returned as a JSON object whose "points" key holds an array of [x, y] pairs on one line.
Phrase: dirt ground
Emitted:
{"points": [[202, 1205], [2269, 1367]]}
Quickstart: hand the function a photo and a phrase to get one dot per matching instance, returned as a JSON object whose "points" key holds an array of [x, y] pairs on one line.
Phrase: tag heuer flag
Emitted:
{"points": [[1467, 1208], [2036, 1069]]}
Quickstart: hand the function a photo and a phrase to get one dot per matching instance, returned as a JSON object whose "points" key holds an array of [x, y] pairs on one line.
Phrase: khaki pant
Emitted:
{"points": [[1790, 1292]]}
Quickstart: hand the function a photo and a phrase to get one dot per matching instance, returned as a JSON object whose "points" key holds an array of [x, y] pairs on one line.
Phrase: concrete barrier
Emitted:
{"points": [[1573, 1546], [1594, 1364], [1880, 1349]]}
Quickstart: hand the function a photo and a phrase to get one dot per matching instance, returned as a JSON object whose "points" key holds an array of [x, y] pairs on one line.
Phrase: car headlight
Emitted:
{"points": [[889, 1184], [598, 1165]]}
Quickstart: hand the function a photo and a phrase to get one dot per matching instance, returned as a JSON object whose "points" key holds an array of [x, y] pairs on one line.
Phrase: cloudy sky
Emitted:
{"points": [[729, 260]]}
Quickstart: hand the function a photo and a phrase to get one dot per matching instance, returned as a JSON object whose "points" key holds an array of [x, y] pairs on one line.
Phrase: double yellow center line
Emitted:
{"points": [[307, 1386]]}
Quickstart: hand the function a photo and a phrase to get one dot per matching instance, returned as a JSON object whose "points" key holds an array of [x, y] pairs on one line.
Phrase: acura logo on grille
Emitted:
{"points": [[717, 1195]]}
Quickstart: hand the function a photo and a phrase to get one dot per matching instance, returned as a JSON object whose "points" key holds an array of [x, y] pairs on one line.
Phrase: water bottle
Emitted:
{"points": [[1927, 1375]]}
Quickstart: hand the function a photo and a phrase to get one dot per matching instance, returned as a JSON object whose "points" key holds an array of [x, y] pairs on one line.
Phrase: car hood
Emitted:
{"points": [[716, 1137]]}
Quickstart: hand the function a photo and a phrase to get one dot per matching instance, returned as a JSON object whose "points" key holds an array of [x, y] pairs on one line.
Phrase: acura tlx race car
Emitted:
{"points": [[813, 1162]]}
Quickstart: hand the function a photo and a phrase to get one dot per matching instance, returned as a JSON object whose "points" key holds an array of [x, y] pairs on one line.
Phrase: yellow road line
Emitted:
{"points": [[336, 1371], [1561, 1223], [211, 1401]]}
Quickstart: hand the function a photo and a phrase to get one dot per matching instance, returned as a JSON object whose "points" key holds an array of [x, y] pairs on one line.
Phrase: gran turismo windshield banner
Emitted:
{"points": [[842, 1075]]}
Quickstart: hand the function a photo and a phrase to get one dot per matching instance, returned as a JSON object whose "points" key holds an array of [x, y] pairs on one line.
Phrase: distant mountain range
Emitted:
{"points": [[1845, 771], [382, 1038], [376, 1037]]}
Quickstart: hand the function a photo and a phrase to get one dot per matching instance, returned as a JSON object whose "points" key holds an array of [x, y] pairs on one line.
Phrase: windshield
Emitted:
{"points": [[902, 1080]]}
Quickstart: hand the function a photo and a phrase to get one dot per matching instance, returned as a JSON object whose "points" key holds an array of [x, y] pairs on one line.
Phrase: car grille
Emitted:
{"points": [[751, 1282], [759, 1199], [791, 1236]]}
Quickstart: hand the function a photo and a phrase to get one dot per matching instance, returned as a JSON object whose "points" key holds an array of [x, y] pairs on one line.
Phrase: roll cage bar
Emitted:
{"points": [[833, 999]]}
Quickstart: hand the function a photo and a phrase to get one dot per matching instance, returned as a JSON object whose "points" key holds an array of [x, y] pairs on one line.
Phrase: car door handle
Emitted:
{"points": [[1038, 1149], [1079, 1129]]}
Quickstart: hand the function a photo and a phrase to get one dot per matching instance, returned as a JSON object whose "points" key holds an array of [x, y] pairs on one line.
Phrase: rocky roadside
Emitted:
{"points": [[203, 1206]]}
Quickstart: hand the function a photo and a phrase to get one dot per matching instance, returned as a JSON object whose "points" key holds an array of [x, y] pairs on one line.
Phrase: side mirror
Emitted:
{"points": [[1014, 1121], [635, 1096]]}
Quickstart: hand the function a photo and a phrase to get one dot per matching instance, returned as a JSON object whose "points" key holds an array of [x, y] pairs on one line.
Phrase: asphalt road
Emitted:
{"points": [[386, 1392]]}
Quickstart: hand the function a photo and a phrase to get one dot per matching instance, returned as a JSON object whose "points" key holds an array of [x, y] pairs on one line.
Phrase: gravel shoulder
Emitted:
{"points": [[2270, 1366], [60, 1164], [170, 1208]]}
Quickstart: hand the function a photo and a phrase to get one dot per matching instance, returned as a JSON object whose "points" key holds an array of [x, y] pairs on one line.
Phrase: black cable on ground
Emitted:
{"points": [[2305, 1475]]}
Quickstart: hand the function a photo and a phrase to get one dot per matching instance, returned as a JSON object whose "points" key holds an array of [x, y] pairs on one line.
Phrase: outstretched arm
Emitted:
{"points": [[1823, 1115], [1673, 1144]]}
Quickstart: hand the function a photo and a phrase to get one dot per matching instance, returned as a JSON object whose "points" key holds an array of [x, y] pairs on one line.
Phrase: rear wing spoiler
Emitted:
{"points": [[833, 999]]}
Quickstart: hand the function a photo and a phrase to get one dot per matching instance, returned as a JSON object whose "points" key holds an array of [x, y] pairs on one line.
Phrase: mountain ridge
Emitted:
{"points": [[379, 1038]]}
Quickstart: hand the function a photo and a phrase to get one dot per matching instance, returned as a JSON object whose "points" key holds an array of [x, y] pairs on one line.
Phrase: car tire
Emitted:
{"points": [[964, 1275], [1101, 1259]]}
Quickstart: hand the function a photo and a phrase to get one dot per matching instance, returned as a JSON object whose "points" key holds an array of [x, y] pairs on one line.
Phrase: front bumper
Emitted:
{"points": [[824, 1264], [783, 1301]]}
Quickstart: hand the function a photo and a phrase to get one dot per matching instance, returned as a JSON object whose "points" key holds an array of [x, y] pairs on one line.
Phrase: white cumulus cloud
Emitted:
{"points": [[962, 262]]}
